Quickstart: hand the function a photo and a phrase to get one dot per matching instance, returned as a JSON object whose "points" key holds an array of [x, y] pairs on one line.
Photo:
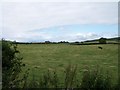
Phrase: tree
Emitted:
{"points": [[102, 40], [47, 42], [11, 65]]}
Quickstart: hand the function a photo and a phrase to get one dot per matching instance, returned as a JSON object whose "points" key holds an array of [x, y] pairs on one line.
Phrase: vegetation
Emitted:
{"points": [[102, 40], [42, 57], [83, 73], [91, 80], [11, 65], [108, 40]]}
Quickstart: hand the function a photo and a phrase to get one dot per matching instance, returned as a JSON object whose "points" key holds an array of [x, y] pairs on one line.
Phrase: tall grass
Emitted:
{"points": [[91, 80]]}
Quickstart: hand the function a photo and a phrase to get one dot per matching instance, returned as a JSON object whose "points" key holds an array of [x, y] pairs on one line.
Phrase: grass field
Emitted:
{"points": [[42, 57]]}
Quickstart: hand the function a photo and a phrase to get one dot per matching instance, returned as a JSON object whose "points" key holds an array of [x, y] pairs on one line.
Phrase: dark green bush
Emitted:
{"points": [[11, 65]]}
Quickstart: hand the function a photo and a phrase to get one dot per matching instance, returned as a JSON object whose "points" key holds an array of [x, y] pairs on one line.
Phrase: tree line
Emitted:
{"points": [[100, 41]]}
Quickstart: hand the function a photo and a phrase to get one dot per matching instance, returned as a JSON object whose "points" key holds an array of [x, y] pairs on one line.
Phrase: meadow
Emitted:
{"points": [[56, 57]]}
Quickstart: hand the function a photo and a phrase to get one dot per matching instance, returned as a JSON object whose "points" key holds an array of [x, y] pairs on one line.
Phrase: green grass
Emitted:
{"points": [[42, 57]]}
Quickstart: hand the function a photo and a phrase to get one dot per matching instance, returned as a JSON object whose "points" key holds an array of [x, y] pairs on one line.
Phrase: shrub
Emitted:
{"points": [[11, 65]]}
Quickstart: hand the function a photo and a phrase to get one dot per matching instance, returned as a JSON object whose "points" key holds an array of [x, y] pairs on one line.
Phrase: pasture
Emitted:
{"points": [[56, 57]]}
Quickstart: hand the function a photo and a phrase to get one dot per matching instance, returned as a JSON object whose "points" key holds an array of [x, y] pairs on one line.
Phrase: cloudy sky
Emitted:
{"points": [[58, 21]]}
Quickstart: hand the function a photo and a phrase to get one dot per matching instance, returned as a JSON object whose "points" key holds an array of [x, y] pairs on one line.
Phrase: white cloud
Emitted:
{"points": [[44, 36], [33, 36], [60, 0], [18, 18]]}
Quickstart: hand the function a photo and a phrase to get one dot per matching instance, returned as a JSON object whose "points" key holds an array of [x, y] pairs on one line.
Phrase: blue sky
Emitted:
{"points": [[58, 21], [78, 32], [84, 28]]}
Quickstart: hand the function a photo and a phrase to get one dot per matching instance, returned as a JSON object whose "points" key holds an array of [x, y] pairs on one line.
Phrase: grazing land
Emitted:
{"points": [[42, 57]]}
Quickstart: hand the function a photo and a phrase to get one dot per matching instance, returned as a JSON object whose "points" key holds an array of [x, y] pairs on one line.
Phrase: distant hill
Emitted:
{"points": [[109, 40]]}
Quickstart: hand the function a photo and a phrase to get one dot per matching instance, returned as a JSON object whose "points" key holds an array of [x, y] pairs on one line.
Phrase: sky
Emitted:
{"points": [[58, 21]]}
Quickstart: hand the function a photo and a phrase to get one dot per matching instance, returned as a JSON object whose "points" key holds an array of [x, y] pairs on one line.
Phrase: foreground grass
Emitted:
{"points": [[42, 57], [91, 80]]}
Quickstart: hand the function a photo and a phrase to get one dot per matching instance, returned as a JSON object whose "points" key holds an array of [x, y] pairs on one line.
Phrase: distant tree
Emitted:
{"points": [[77, 42], [82, 42], [47, 42], [102, 40], [63, 42]]}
